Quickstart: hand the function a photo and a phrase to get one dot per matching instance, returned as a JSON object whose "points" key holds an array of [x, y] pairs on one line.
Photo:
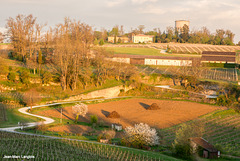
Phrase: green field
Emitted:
{"points": [[142, 51]]}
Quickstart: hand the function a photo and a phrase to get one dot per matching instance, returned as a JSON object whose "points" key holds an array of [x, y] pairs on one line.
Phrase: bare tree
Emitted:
{"points": [[31, 97], [1, 37], [72, 41], [141, 28]]}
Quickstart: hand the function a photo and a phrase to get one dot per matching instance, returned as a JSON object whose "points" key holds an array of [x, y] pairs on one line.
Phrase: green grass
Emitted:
{"points": [[134, 51], [13, 117], [142, 51]]}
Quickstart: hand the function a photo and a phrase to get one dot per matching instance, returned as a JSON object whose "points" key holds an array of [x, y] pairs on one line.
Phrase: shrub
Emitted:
{"points": [[46, 77], [94, 119], [181, 144], [101, 42], [11, 76], [24, 77], [107, 134], [236, 107], [140, 135]]}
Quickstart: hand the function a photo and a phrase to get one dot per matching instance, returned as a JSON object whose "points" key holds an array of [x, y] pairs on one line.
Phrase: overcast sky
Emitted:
{"points": [[214, 14]]}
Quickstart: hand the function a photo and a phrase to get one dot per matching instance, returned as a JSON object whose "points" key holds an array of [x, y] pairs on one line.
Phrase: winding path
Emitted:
{"points": [[47, 120]]}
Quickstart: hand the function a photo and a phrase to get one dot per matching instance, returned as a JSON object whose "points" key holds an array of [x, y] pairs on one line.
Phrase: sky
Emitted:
{"points": [[213, 14]]}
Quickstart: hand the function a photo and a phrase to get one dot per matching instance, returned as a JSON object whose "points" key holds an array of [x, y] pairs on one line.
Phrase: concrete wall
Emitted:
{"points": [[168, 62]]}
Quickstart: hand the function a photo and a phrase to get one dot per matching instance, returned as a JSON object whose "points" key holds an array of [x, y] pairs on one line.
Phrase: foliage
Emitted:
{"points": [[140, 135], [3, 66], [94, 119], [25, 77], [80, 109], [11, 76], [153, 77], [46, 77], [95, 42], [101, 42], [181, 144], [106, 134]]}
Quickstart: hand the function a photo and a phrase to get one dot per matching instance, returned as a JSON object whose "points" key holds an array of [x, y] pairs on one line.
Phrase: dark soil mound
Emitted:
{"points": [[114, 114], [154, 106]]}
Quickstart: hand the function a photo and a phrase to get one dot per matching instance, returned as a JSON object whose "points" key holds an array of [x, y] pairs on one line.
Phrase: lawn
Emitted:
{"points": [[134, 51], [142, 51], [13, 117]]}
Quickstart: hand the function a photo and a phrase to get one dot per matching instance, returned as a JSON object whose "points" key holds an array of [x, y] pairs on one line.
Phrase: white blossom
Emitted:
{"points": [[143, 133], [80, 109]]}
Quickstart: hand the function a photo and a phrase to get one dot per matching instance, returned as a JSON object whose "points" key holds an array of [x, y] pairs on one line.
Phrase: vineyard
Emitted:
{"points": [[219, 74], [195, 48], [222, 129], [3, 116], [182, 48], [43, 148]]}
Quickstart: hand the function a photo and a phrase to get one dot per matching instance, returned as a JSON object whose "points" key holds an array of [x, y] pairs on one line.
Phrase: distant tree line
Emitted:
{"points": [[202, 36]]}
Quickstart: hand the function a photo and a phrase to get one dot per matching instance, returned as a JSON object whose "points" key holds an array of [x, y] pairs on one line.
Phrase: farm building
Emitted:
{"points": [[140, 38], [205, 148], [154, 60], [218, 57]]}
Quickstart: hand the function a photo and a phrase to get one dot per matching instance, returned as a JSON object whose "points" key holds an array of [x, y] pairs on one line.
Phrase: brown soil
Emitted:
{"points": [[134, 111], [153, 106], [113, 114]]}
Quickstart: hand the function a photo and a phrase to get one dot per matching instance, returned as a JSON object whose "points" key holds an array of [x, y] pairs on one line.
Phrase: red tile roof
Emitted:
{"points": [[204, 144]]}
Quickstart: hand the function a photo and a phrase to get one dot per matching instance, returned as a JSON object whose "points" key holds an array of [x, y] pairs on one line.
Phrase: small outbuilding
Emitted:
{"points": [[117, 127], [205, 149]]}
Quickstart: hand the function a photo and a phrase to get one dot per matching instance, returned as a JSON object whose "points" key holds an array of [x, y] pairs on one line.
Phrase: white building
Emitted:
{"points": [[142, 38]]}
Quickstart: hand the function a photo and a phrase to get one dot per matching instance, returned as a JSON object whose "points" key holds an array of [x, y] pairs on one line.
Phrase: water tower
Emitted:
{"points": [[180, 23]]}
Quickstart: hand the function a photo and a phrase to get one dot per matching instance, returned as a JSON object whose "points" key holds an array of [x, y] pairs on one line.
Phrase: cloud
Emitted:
{"points": [[113, 3], [142, 1]]}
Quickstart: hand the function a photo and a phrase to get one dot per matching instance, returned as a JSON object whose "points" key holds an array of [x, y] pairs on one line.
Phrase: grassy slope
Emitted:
{"points": [[14, 117]]}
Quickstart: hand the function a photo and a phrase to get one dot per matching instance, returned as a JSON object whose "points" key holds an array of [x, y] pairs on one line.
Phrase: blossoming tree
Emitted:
{"points": [[79, 109], [140, 135]]}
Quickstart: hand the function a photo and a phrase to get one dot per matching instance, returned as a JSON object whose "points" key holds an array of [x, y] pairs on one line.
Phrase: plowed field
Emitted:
{"points": [[134, 111]]}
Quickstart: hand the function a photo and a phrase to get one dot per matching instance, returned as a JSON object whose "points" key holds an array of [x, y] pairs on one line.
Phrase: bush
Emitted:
{"points": [[181, 144], [24, 77], [140, 135], [46, 77], [107, 134], [94, 119], [11, 76], [236, 107], [101, 42]]}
